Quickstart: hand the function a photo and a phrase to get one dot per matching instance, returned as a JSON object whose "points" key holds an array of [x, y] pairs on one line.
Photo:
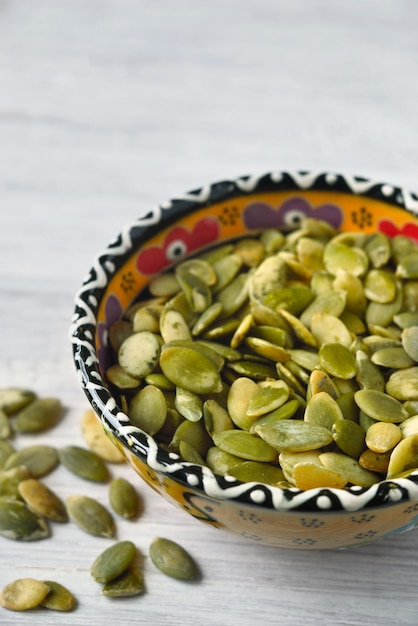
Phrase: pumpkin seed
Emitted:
{"points": [[340, 256], [349, 468], [313, 476], [254, 471], [147, 318], [117, 376], [375, 461], [98, 440], [14, 399], [84, 463], [18, 522], [403, 384], [164, 285], [378, 249], [404, 457], [59, 598], [113, 561], [337, 360], [139, 353], [189, 404], [251, 251], [91, 516], [349, 437], [409, 426], [245, 445], [172, 559], [392, 357], [207, 318], [10, 479], [189, 454], [408, 266], [195, 434], [23, 594], [266, 349], [195, 288], [319, 381], [123, 498], [173, 326], [380, 406], [128, 584], [189, 368], [323, 410], [270, 397], [148, 409], [410, 342], [332, 302], [216, 418], [383, 436], [42, 500], [328, 328], [39, 459], [221, 462], [368, 376], [293, 435]]}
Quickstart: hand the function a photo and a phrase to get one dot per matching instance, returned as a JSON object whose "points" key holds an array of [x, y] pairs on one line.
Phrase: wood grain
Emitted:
{"points": [[110, 107]]}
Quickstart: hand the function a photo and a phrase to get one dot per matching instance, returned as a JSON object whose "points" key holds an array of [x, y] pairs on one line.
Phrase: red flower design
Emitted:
{"points": [[179, 242], [408, 230]]}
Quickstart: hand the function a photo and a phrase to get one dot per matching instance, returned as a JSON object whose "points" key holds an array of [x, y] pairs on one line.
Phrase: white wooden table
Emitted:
{"points": [[110, 107]]}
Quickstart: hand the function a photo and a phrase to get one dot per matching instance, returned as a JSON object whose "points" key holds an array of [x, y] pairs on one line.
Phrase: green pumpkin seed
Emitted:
{"points": [[349, 437], [189, 454], [39, 415], [173, 326], [409, 426], [253, 369], [128, 584], [377, 462], [189, 404], [270, 397], [293, 435], [323, 410], [349, 468], [164, 285], [207, 318], [378, 249], [195, 434], [241, 392], [90, 516], [84, 463], [39, 459], [339, 256], [410, 342], [332, 302], [216, 417], [404, 457], [148, 409], [220, 461], [139, 353], [403, 384], [251, 251], [42, 500], [59, 598], [195, 288], [172, 559], [245, 446], [408, 266], [189, 368], [147, 318], [254, 471], [320, 381], [380, 406], [328, 328], [368, 376], [269, 275], [392, 358], [19, 523], [406, 319], [10, 479], [14, 399], [117, 376], [123, 498], [378, 314], [299, 329], [337, 360], [23, 594], [113, 561]]}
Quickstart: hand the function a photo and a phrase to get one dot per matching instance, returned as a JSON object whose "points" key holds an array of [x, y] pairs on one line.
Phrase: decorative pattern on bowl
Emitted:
{"points": [[317, 518]]}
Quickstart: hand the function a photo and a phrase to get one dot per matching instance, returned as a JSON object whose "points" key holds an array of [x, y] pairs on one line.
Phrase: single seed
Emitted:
{"points": [[23, 594], [42, 500], [123, 498], [39, 459], [84, 463], [39, 415], [138, 354], [90, 516], [14, 399], [19, 523], [148, 409], [380, 406], [113, 561], [172, 559], [59, 598], [245, 445], [382, 436]]}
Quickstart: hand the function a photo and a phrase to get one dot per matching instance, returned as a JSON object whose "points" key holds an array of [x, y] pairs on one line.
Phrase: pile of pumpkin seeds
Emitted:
{"points": [[288, 358], [28, 507]]}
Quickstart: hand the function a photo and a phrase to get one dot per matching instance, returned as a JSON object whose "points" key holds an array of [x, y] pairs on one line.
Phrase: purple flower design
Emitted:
{"points": [[289, 214], [113, 312]]}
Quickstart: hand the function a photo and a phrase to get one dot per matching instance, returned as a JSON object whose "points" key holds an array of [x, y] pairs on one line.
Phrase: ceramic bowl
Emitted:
{"points": [[312, 519]]}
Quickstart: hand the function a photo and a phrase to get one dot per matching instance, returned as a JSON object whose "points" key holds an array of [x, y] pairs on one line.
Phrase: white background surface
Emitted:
{"points": [[108, 108]]}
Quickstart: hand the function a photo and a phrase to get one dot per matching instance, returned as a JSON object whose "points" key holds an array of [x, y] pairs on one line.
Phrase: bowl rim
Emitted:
{"points": [[195, 477]]}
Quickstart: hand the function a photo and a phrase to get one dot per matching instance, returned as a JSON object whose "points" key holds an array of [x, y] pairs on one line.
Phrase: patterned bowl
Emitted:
{"points": [[312, 519]]}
